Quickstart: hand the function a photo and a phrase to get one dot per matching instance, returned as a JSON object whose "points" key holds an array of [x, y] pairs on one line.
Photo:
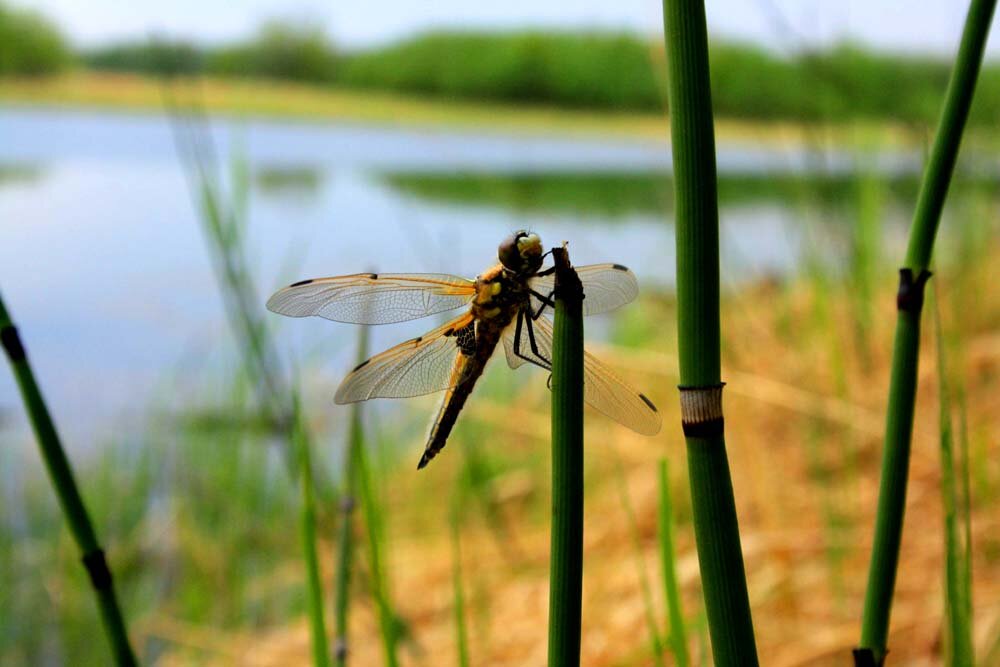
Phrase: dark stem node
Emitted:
{"points": [[97, 568], [12, 344], [865, 657], [910, 297]]}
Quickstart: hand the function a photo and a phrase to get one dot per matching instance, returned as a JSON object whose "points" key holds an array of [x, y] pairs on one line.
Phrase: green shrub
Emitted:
{"points": [[279, 51], [588, 69], [148, 57], [583, 70], [30, 45], [622, 71]]}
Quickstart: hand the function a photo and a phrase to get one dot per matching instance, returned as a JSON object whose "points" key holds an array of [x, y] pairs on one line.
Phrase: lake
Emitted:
{"points": [[105, 269]]}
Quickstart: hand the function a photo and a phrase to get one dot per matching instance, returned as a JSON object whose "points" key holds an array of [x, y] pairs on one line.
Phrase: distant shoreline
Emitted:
{"points": [[296, 102]]}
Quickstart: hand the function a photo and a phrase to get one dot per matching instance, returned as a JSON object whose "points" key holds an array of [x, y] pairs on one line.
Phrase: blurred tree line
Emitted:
{"points": [[585, 70], [29, 44]]}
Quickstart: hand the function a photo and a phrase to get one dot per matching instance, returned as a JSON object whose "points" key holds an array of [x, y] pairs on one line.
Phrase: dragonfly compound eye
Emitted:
{"points": [[521, 252]]}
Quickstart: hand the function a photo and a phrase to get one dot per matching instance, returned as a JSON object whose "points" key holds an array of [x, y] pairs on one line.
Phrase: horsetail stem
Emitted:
{"points": [[697, 228], [70, 500], [909, 301], [566, 564]]}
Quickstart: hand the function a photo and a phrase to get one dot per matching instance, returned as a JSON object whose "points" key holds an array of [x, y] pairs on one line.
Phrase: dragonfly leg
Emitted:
{"points": [[521, 319], [534, 345], [549, 271], [546, 301]]}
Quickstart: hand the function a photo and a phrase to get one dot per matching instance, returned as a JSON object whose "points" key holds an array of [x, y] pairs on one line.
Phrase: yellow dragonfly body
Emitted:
{"points": [[504, 305]]}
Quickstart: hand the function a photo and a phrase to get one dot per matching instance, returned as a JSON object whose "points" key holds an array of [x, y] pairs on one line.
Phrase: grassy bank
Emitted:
{"points": [[303, 102]]}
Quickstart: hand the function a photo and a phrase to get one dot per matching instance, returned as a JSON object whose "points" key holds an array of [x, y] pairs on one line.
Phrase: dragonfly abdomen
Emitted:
{"points": [[448, 413], [469, 366]]}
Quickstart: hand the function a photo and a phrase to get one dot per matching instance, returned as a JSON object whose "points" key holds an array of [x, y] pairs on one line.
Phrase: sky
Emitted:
{"points": [[928, 25]]}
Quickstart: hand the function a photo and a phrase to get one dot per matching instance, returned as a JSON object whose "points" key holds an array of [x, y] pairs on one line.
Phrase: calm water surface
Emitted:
{"points": [[103, 263]]}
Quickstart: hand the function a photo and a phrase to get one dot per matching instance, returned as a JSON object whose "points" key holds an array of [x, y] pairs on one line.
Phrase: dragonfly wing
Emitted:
{"points": [[605, 287], [373, 298], [602, 388], [432, 362]]}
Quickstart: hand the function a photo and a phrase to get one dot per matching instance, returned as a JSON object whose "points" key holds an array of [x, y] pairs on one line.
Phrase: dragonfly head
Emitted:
{"points": [[521, 252]]}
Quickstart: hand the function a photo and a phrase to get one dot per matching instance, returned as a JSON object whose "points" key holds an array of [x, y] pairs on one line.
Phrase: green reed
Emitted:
{"points": [[697, 229], [458, 588], [655, 640], [307, 524], [223, 220], [957, 545], [64, 483], [903, 380], [566, 559], [388, 622], [348, 502], [677, 636]]}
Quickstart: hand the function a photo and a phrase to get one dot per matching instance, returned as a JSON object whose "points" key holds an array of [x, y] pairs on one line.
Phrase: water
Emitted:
{"points": [[103, 264]]}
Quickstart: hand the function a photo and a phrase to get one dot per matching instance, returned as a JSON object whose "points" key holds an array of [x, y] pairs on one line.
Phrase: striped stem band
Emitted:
{"points": [[701, 410]]}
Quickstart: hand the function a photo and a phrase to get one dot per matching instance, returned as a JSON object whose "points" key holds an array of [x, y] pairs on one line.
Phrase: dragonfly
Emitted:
{"points": [[504, 305]]}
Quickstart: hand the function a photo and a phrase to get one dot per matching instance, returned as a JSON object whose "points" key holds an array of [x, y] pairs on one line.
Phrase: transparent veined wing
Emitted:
{"points": [[602, 389], [373, 298], [605, 287], [432, 362]]}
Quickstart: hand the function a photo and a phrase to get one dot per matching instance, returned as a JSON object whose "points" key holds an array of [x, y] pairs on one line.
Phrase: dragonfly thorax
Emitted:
{"points": [[499, 294]]}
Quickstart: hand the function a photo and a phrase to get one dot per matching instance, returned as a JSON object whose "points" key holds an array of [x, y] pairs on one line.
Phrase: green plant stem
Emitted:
{"points": [[317, 624], [656, 642], [566, 564], [903, 380], [958, 99], [386, 617], [461, 632], [959, 643], [677, 634], [697, 229], [720, 555], [70, 500], [348, 501], [224, 222]]}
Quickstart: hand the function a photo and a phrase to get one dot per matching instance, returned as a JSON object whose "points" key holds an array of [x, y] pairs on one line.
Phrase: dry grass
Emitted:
{"points": [[805, 463]]}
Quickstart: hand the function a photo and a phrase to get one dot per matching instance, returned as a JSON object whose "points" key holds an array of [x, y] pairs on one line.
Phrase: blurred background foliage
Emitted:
{"points": [[30, 45], [582, 70]]}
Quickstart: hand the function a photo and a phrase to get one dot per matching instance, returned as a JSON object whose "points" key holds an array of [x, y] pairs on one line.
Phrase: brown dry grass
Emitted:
{"points": [[801, 450]]}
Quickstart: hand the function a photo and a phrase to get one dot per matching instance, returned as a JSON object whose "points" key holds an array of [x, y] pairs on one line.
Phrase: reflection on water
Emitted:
{"points": [[103, 264], [602, 197], [19, 172], [305, 181]]}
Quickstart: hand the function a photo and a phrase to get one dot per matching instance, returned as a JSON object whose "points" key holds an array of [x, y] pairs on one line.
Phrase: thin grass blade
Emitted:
{"points": [[958, 620], [677, 635]]}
